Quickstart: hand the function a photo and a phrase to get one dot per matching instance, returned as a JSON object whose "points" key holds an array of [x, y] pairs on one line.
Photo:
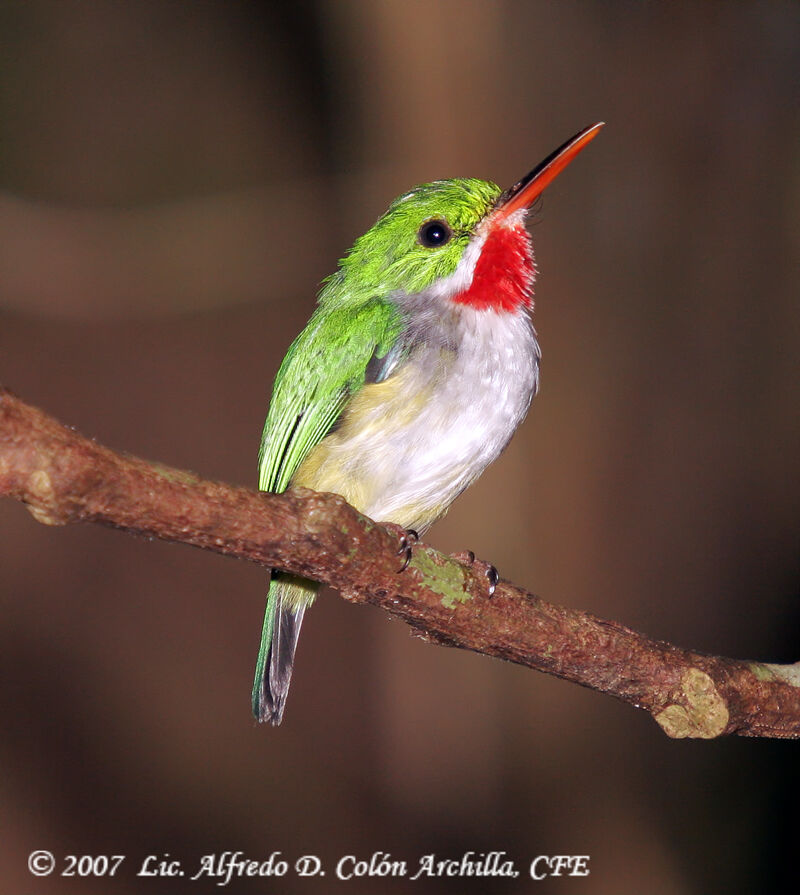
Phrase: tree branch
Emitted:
{"points": [[63, 477]]}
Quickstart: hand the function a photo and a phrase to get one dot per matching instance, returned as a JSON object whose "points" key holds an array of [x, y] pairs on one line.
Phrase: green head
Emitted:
{"points": [[421, 237]]}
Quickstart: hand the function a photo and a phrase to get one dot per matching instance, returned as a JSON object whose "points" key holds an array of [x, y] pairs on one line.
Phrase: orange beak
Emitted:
{"points": [[522, 194]]}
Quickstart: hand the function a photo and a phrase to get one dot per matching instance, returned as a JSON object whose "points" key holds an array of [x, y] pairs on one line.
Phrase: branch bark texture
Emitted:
{"points": [[64, 477]]}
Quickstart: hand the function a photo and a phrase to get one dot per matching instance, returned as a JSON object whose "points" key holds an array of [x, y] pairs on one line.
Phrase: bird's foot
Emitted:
{"points": [[492, 577], [467, 557], [407, 541]]}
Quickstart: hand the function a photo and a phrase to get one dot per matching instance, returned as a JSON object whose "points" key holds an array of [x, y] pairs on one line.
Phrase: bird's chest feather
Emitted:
{"points": [[405, 447]]}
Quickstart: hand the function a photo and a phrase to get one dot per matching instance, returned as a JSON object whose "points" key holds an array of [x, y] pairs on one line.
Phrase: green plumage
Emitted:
{"points": [[324, 366], [355, 322]]}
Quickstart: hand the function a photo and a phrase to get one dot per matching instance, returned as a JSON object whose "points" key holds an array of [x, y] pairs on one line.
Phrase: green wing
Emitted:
{"points": [[324, 366]]}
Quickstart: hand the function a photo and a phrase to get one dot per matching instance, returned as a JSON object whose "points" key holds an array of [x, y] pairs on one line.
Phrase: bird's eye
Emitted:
{"points": [[433, 234]]}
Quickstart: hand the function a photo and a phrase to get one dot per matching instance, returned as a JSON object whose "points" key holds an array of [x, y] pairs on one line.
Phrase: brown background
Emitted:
{"points": [[175, 179]]}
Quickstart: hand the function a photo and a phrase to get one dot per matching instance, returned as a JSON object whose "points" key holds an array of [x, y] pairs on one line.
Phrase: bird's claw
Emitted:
{"points": [[407, 542], [493, 577], [465, 557], [468, 558]]}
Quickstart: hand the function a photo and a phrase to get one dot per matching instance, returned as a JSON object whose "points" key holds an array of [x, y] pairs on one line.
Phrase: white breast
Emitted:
{"points": [[444, 417]]}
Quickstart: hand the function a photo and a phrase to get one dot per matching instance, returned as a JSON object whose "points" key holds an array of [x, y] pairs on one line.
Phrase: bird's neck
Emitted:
{"points": [[504, 272]]}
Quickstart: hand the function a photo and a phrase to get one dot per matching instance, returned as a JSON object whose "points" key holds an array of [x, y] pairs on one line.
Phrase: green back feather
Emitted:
{"points": [[324, 366]]}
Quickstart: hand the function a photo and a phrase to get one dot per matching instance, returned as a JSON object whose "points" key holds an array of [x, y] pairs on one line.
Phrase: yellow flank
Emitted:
{"points": [[295, 592], [374, 417]]}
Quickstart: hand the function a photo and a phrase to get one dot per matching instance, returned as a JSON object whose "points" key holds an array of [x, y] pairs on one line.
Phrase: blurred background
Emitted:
{"points": [[175, 180]]}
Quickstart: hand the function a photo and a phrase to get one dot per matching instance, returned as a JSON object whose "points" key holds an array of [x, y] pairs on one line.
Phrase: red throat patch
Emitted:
{"points": [[503, 277]]}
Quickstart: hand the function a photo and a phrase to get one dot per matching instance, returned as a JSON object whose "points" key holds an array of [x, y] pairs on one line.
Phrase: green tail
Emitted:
{"points": [[289, 596]]}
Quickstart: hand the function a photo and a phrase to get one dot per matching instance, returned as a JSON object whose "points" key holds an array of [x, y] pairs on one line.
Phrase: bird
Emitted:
{"points": [[415, 369]]}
